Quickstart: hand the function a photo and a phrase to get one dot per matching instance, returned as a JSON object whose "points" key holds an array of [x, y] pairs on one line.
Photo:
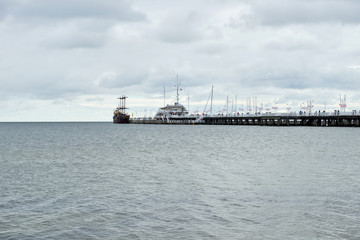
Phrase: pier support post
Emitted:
{"points": [[357, 122]]}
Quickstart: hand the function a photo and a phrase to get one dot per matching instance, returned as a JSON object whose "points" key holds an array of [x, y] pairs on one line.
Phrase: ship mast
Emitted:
{"points": [[343, 103], [227, 105], [235, 104], [164, 96], [212, 95], [188, 103], [177, 88], [122, 104]]}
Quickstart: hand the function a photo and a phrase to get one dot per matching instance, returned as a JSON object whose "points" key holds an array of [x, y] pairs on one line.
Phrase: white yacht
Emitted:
{"points": [[172, 111]]}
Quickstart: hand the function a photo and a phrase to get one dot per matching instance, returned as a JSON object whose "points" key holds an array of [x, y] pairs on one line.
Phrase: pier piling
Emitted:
{"points": [[264, 120]]}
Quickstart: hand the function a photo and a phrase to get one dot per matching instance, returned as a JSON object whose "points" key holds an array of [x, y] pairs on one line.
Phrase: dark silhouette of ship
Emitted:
{"points": [[120, 115]]}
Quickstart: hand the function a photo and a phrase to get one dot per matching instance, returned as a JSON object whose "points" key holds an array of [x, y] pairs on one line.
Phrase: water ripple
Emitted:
{"points": [[105, 181]]}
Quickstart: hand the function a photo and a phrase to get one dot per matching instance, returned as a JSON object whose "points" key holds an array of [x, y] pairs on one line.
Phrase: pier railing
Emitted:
{"points": [[291, 114], [341, 119]]}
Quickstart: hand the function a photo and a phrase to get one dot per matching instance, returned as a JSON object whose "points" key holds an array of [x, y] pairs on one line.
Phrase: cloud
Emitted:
{"points": [[4, 6], [66, 9], [306, 78], [292, 39], [211, 48], [120, 79], [181, 29], [282, 12], [240, 17], [95, 99], [92, 50], [67, 24], [70, 36]]}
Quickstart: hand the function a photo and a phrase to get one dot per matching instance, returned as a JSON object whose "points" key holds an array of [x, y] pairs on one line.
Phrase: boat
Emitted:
{"points": [[120, 115], [175, 111]]}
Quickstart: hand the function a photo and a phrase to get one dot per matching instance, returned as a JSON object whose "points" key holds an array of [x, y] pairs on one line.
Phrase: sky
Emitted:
{"points": [[69, 60]]}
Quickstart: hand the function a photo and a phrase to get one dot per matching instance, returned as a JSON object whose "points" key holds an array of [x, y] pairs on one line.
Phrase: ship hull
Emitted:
{"points": [[121, 119]]}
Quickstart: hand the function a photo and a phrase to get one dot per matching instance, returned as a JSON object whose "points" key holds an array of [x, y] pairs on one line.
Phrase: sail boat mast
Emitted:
{"points": [[177, 88], [227, 105], [164, 96], [212, 94], [189, 103], [235, 103]]}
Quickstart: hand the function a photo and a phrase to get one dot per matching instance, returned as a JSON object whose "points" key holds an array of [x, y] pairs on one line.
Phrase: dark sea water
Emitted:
{"points": [[106, 181]]}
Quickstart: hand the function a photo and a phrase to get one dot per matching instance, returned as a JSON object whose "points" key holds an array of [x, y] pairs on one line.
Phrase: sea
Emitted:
{"points": [[107, 181]]}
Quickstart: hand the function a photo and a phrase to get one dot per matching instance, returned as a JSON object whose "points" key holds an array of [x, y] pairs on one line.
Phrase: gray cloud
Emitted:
{"points": [[4, 6], [67, 24], [211, 48], [293, 40], [120, 78], [280, 12], [181, 29], [303, 78], [65, 9], [79, 53], [70, 37], [95, 99]]}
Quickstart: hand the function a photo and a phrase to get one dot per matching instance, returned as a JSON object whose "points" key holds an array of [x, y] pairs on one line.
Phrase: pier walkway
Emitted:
{"points": [[339, 121], [324, 120]]}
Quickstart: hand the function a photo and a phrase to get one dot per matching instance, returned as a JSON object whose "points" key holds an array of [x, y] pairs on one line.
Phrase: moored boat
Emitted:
{"points": [[120, 115], [173, 111]]}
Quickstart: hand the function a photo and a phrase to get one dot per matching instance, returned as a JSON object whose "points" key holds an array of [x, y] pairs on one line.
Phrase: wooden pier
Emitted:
{"points": [[263, 120], [319, 121], [175, 121]]}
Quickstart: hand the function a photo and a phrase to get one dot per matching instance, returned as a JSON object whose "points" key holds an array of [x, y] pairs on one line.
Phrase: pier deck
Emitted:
{"points": [[320, 121], [263, 120]]}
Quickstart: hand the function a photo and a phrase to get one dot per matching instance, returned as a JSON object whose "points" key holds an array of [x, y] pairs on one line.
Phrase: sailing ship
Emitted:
{"points": [[120, 115]]}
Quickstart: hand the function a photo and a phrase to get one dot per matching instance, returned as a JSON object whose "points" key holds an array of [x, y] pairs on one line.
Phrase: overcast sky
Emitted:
{"points": [[68, 60]]}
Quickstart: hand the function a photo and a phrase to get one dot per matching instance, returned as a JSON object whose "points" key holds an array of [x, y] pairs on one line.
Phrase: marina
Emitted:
{"points": [[177, 114]]}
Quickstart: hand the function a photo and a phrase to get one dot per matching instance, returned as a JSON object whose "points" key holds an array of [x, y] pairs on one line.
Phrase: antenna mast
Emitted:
{"points": [[164, 96], [177, 88]]}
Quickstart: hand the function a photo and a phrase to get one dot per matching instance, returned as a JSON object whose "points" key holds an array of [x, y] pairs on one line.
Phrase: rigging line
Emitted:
{"points": [[207, 102]]}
